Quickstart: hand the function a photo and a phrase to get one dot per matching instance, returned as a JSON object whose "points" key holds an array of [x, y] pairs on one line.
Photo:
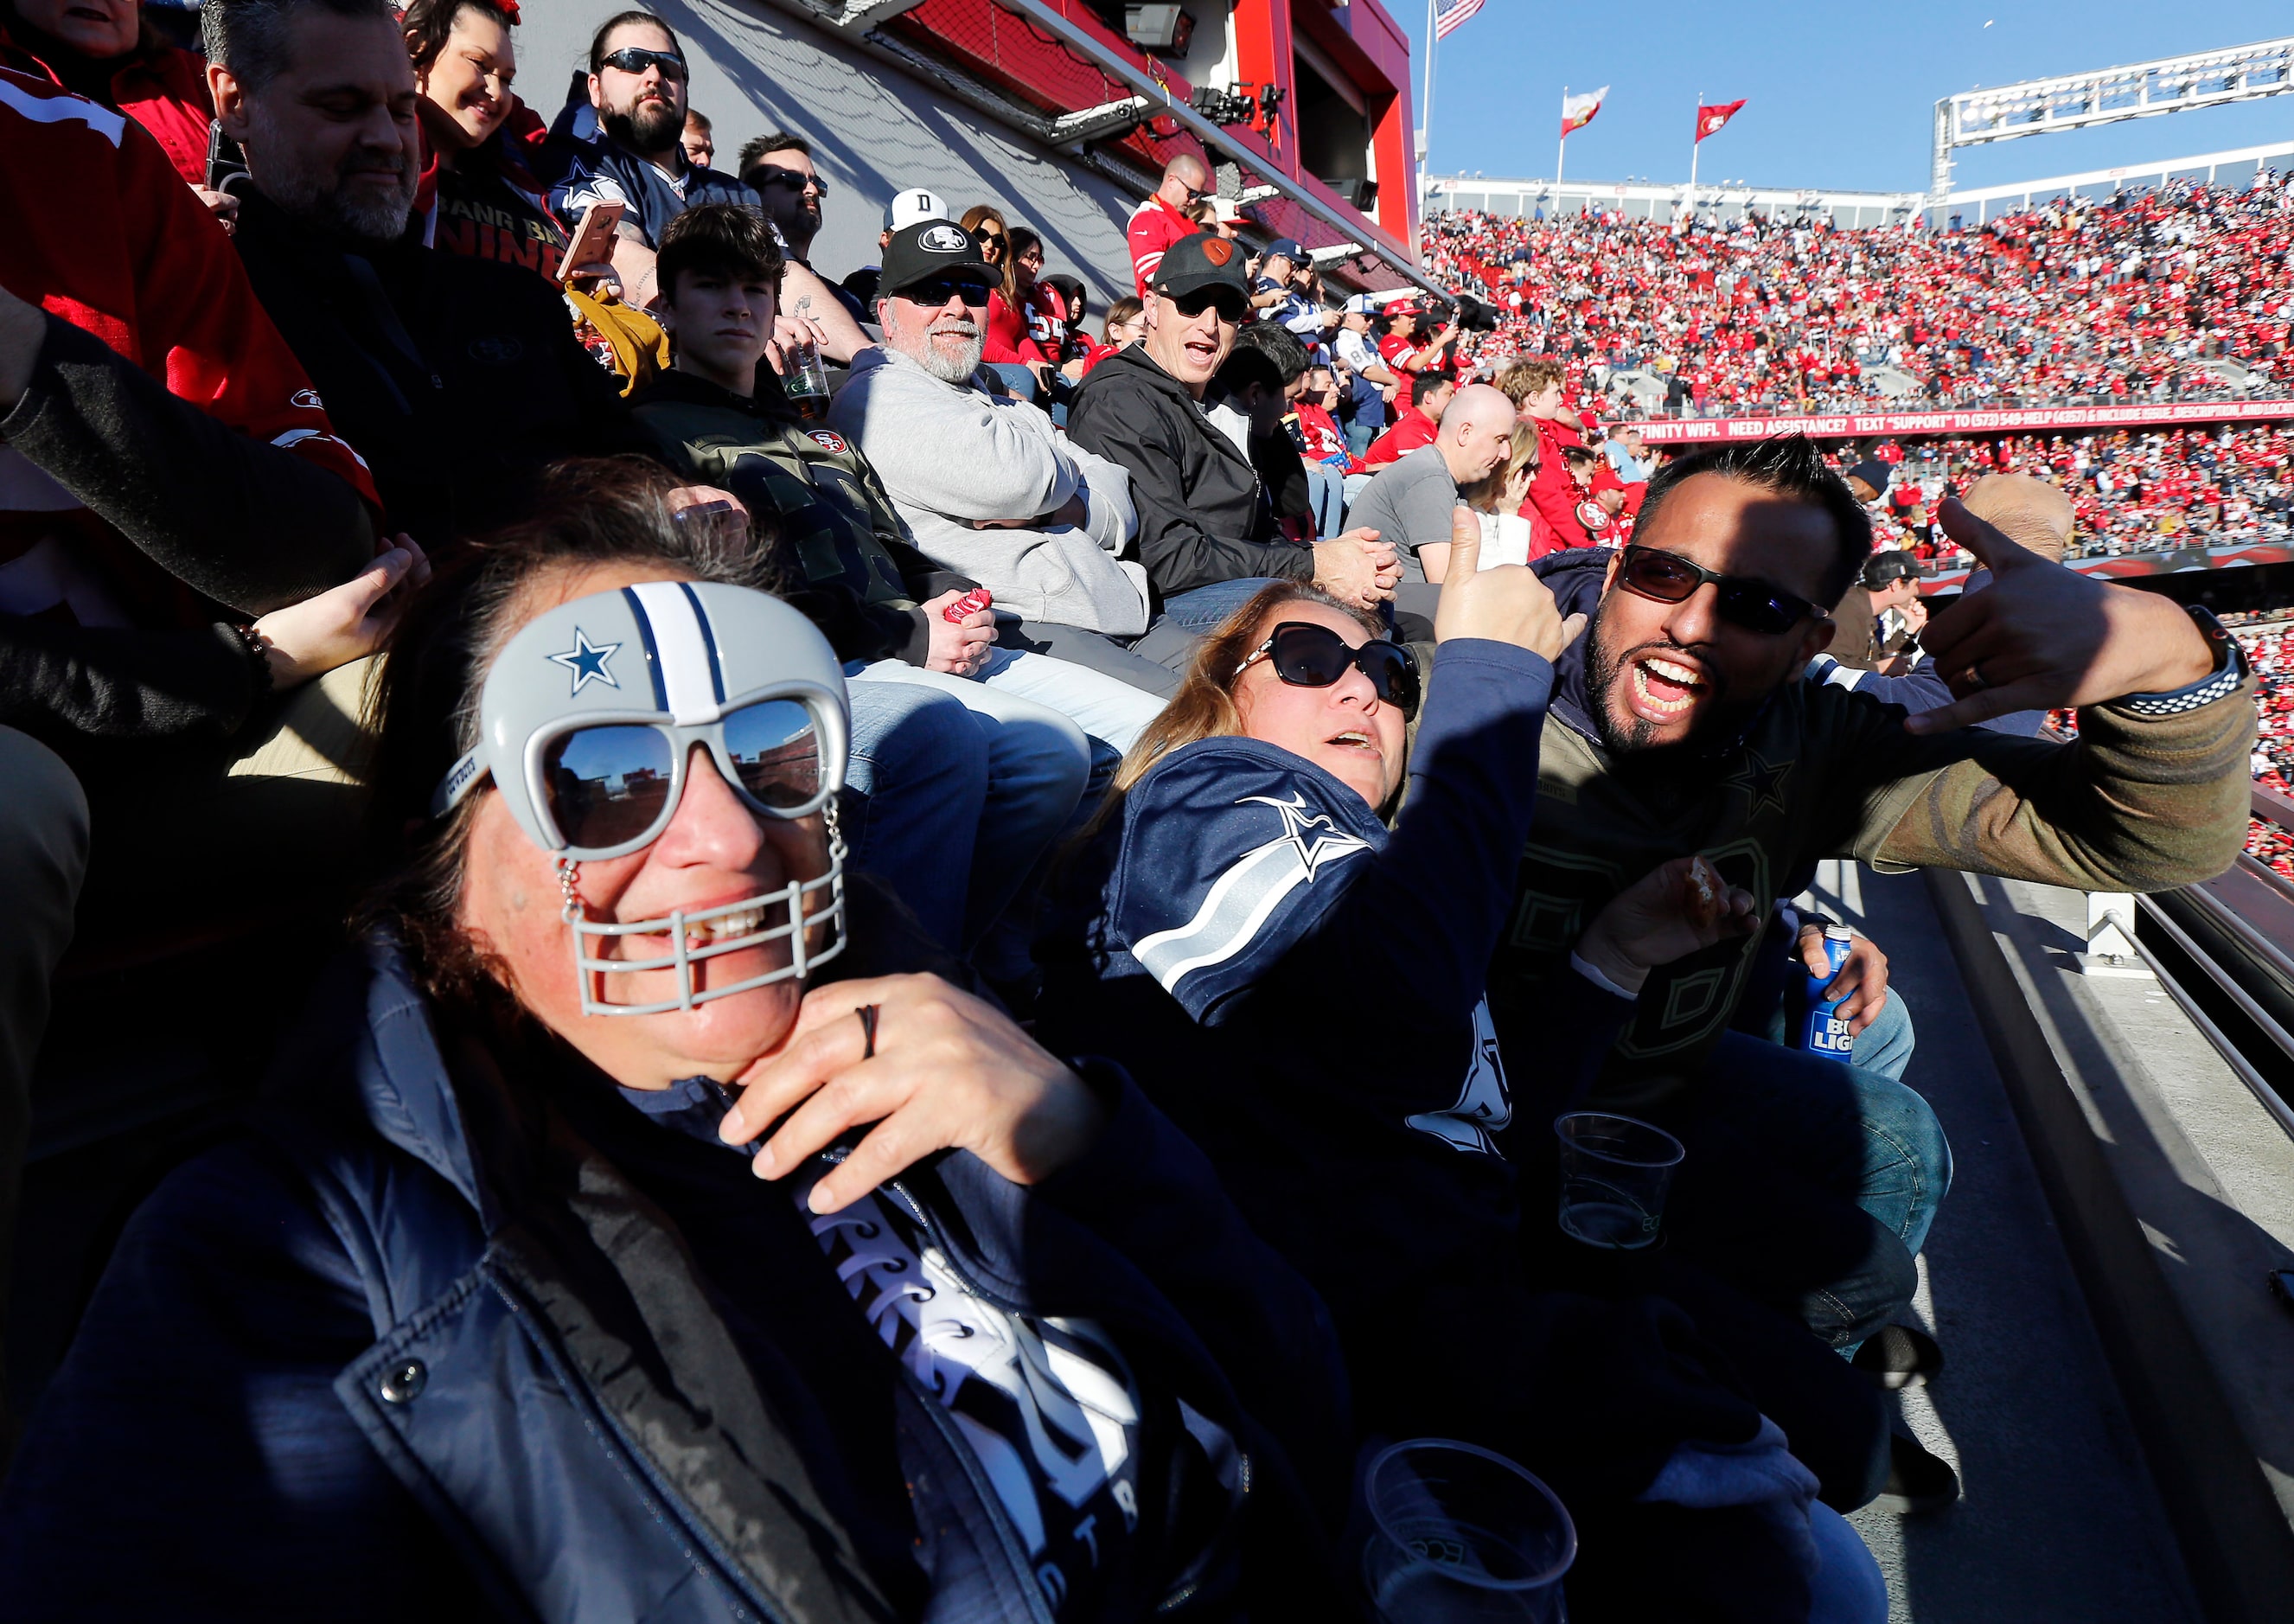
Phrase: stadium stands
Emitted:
{"points": [[2175, 294]]}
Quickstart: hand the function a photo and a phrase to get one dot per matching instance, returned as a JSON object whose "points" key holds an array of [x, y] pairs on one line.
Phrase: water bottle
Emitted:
{"points": [[1825, 1031]]}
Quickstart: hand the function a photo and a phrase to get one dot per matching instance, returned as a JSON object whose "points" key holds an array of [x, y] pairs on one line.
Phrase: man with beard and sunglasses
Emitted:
{"points": [[637, 93], [455, 379], [1680, 724], [1206, 524]]}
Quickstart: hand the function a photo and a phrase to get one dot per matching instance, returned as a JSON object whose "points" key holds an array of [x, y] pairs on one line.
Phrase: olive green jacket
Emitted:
{"points": [[832, 520], [2135, 803]]}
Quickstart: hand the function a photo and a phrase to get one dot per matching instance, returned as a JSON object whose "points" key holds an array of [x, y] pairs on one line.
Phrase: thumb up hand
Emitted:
{"points": [[1505, 603]]}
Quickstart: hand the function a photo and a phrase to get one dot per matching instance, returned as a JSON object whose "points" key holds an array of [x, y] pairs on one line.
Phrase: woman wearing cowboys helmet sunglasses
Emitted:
{"points": [[605, 1257], [1301, 985]]}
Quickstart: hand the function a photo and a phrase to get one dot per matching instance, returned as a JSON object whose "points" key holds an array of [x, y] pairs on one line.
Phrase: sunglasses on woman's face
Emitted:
{"points": [[611, 787], [1307, 655], [1667, 577]]}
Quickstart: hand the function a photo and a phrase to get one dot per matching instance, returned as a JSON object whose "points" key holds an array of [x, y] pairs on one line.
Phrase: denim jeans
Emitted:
{"points": [[1326, 493], [1036, 764], [913, 792], [1885, 1046], [1807, 1183], [1207, 608]]}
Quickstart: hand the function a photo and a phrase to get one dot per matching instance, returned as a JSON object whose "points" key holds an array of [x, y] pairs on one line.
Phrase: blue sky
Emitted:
{"points": [[1839, 95]]}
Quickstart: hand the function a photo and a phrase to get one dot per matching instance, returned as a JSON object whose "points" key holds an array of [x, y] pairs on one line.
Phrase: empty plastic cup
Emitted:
{"points": [[1461, 1535], [1615, 1172]]}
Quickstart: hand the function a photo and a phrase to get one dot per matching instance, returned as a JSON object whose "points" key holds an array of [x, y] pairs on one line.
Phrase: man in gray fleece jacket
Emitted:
{"points": [[985, 483]]}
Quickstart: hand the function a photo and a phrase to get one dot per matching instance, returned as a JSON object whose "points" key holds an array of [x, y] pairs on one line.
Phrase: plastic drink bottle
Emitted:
{"points": [[1825, 1031]]}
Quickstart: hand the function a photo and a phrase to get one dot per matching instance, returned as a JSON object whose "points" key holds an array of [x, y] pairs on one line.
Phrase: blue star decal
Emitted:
{"points": [[587, 661]]}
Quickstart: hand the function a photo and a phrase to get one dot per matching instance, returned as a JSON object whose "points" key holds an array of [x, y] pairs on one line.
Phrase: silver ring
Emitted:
{"points": [[867, 1014]]}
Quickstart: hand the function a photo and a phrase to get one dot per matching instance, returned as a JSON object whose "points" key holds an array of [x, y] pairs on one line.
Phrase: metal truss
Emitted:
{"points": [[2172, 85]]}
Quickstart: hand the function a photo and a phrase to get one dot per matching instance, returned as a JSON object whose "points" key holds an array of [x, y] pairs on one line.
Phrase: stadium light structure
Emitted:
{"points": [[2079, 101]]}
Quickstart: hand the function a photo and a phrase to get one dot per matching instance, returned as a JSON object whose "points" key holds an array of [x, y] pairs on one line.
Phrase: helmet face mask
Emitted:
{"points": [[588, 722]]}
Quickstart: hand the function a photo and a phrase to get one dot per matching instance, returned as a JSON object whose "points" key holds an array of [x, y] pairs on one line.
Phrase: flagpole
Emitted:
{"points": [[1696, 142], [1561, 149], [1426, 102]]}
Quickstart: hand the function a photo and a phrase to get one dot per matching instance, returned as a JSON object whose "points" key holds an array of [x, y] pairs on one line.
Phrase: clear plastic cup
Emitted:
{"points": [[1461, 1535], [1615, 1173]]}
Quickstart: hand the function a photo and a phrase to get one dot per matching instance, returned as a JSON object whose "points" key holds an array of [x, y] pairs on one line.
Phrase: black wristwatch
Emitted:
{"points": [[2228, 675]]}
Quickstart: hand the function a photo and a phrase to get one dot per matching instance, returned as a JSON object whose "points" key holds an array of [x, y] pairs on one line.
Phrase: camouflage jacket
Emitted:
{"points": [[835, 525], [2135, 803]]}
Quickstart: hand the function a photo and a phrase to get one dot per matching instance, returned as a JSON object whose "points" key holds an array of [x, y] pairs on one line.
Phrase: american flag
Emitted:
{"points": [[1450, 14]]}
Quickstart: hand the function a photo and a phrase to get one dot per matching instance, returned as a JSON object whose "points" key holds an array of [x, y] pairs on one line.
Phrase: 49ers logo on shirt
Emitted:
{"points": [[829, 442], [305, 397]]}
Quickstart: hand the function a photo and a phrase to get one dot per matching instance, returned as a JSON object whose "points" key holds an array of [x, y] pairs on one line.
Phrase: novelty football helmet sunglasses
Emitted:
{"points": [[588, 722]]}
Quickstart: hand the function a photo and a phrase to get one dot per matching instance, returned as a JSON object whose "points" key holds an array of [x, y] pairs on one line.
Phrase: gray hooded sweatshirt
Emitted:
{"points": [[953, 456]]}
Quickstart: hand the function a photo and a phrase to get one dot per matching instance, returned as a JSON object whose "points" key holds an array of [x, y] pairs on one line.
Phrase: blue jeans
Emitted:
{"points": [[1019, 379], [913, 791], [1885, 1046], [1807, 1183], [1326, 493], [1035, 764], [1207, 608]]}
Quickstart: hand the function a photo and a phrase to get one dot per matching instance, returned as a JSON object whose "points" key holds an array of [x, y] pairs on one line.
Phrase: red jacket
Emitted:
{"points": [[1150, 234], [162, 88], [1008, 341], [1412, 430], [110, 240], [1554, 493]]}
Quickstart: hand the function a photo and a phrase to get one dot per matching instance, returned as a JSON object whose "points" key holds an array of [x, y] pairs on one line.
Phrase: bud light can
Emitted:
{"points": [[1825, 1030]]}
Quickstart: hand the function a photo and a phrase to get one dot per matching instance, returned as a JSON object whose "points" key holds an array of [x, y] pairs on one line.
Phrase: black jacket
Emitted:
{"points": [[216, 519], [456, 378], [1204, 516]]}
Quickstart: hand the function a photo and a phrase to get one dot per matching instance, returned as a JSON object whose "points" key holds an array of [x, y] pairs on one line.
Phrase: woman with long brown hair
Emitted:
{"points": [[1011, 346], [1300, 987]]}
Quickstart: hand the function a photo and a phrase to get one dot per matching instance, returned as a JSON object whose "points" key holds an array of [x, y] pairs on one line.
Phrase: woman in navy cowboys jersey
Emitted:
{"points": [[1301, 988]]}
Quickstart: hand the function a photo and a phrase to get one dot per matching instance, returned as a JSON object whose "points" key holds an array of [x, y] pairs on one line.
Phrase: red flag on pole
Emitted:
{"points": [[1709, 120], [1577, 111]]}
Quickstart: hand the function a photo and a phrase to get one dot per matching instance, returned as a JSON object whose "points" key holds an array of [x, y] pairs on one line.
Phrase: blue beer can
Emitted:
{"points": [[1826, 1030]]}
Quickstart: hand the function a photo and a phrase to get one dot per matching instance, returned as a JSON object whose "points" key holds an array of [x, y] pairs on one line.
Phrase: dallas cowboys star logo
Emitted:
{"points": [[1298, 821], [1762, 784], [587, 661]]}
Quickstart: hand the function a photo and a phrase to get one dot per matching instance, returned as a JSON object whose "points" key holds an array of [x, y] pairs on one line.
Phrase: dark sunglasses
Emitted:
{"points": [[629, 59], [937, 291], [1305, 655], [609, 785], [1667, 577], [1229, 302], [766, 175]]}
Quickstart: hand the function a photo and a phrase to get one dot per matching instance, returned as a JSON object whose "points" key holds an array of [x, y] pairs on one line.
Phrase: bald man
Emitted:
{"points": [[1409, 504], [1164, 219], [2029, 511]]}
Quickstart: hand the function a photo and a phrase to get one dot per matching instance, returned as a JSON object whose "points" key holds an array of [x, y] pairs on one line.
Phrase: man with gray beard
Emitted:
{"points": [[455, 379], [985, 484]]}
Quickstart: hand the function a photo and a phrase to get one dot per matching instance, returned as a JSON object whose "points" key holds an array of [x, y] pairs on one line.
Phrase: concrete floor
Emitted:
{"points": [[2058, 1519]]}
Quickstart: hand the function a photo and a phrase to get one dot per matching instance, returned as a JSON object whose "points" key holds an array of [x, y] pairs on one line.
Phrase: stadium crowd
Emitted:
{"points": [[2175, 294], [963, 947], [2132, 490]]}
